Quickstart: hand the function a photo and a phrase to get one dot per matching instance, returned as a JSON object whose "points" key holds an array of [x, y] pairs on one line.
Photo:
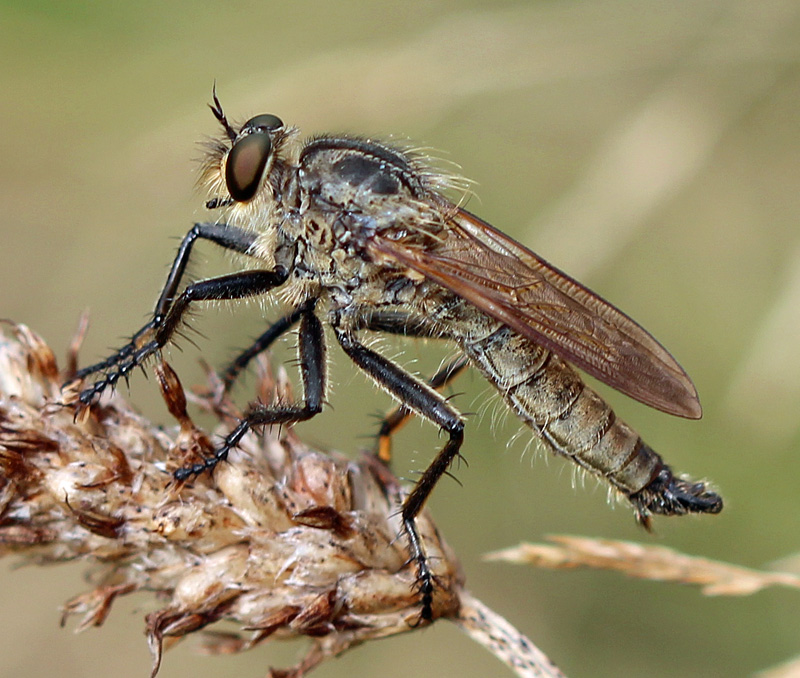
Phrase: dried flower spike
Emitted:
{"points": [[285, 541]]}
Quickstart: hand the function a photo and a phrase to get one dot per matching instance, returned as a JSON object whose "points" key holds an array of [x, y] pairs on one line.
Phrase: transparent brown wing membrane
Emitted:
{"points": [[512, 284]]}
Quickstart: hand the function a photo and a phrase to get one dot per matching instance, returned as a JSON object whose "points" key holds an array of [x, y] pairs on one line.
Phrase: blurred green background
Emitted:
{"points": [[650, 149]]}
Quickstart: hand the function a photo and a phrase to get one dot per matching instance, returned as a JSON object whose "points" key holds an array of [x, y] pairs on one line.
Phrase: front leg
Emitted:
{"points": [[156, 334], [311, 349], [425, 401], [228, 237]]}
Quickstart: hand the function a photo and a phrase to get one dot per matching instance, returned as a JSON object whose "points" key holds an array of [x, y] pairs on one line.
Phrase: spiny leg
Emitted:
{"points": [[397, 417], [228, 237], [311, 349], [392, 322], [409, 325], [426, 402], [234, 286], [273, 332]]}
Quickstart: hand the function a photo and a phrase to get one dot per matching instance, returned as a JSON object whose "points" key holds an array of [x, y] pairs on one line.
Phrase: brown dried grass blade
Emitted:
{"points": [[657, 563]]}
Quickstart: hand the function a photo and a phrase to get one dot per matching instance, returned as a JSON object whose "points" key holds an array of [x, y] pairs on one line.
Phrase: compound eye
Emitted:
{"points": [[265, 122], [246, 162]]}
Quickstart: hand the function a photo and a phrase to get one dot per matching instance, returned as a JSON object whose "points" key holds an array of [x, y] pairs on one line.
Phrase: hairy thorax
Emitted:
{"points": [[337, 199]]}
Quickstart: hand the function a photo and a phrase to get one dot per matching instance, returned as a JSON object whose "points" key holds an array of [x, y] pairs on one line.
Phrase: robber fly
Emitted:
{"points": [[359, 235]]}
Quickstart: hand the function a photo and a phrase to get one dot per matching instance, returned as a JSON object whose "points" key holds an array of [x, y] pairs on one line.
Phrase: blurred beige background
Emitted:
{"points": [[650, 149]]}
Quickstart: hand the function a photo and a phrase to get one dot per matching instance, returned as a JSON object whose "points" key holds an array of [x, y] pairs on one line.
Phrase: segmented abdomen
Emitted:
{"points": [[551, 398]]}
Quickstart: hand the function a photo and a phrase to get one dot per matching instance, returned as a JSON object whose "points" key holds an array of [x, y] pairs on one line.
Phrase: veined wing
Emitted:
{"points": [[512, 284]]}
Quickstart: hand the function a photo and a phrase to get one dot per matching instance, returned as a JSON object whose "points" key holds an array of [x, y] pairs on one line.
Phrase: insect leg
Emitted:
{"points": [[426, 402], [229, 237], [311, 349], [156, 335], [397, 417], [399, 322], [274, 331], [391, 322]]}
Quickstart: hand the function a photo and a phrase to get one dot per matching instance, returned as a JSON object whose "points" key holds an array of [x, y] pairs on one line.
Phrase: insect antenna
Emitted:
{"points": [[219, 114]]}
